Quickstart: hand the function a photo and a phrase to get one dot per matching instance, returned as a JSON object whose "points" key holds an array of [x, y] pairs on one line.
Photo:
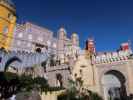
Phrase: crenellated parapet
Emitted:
{"points": [[27, 59], [109, 57]]}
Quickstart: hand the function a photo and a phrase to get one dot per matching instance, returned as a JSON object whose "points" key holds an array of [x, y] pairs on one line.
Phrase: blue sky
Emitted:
{"points": [[110, 22]]}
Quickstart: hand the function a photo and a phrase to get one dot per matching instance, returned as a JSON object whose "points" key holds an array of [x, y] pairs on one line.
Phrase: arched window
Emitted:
{"points": [[10, 16], [20, 35], [40, 39], [30, 37], [5, 30], [59, 80]]}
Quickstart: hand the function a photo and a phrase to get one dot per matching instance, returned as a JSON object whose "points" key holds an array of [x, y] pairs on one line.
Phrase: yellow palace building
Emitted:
{"points": [[7, 23]]}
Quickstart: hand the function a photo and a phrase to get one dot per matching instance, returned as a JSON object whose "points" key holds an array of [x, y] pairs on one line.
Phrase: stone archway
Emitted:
{"points": [[113, 85]]}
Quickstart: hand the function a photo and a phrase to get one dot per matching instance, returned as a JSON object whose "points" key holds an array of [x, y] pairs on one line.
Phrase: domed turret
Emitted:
{"points": [[62, 33], [62, 30], [74, 35], [75, 39]]}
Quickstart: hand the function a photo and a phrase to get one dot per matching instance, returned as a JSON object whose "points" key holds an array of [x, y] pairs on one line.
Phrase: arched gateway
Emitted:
{"points": [[110, 80], [114, 79], [109, 74], [113, 85]]}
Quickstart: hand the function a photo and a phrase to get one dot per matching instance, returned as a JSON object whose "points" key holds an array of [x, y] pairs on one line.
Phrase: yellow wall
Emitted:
{"points": [[51, 95], [87, 71], [5, 21]]}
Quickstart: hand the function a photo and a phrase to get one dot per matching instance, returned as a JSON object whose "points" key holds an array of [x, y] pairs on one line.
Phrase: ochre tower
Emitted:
{"points": [[7, 23]]}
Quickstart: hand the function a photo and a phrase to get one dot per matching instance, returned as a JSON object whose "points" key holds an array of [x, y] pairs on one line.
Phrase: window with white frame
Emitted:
{"points": [[48, 43], [30, 37], [20, 35], [40, 39], [29, 45], [18, 43], [54, 45], [10, 16]]}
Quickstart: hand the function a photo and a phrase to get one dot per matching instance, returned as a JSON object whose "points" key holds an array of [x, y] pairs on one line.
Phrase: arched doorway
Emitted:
{"points": [[59, 80], [113, 85]]}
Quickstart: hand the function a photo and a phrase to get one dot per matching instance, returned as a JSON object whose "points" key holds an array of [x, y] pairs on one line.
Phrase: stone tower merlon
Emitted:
{"points": [[75, 39], [90, 45]]}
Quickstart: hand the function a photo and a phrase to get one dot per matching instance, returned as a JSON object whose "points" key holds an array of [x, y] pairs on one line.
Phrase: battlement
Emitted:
{"points": [[28, 59], [108, 57]]}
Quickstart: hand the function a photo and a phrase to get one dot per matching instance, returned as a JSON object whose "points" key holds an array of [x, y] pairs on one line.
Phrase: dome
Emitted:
{"points": [[74, 34], [62, 30]]}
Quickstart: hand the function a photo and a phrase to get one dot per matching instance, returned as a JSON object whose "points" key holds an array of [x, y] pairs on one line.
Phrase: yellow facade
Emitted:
{"points": [[7, 24]]}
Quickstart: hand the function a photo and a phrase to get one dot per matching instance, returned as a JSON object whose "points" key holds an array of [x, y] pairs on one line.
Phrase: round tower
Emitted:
{"points": [[61, 43], [7, 23], [62, 33], [75, 39]]}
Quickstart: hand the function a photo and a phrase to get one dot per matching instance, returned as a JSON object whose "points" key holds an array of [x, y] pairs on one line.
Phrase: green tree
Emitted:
{"points": [[8, 84], [26, 83], [75, 91], [8, 81], [41, 84]]}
